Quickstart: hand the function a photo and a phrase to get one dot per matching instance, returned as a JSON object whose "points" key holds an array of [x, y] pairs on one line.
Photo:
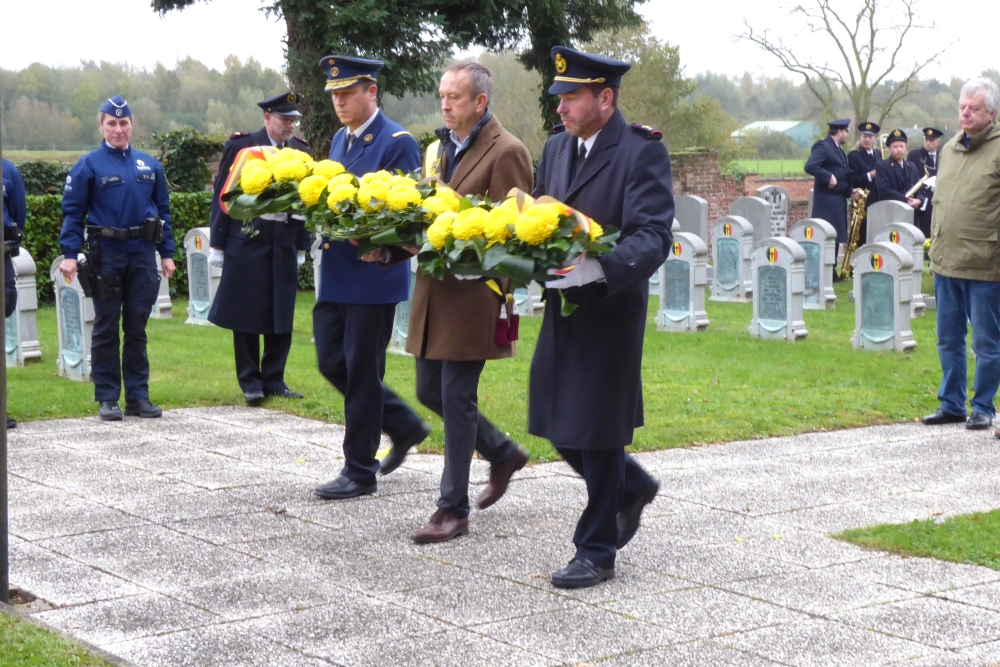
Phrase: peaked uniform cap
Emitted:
{"points": [[839, 124], [286, 104], [869, 127], [932, 133], [575, 69], [894, 136], [345, 71], [116, 106]]}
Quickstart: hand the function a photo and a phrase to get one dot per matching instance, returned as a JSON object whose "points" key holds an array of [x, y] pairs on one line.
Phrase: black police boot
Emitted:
{"points": [[628, 518], [581, 573], [142, 408], [110, 412], [397, 453], [11, 423]]}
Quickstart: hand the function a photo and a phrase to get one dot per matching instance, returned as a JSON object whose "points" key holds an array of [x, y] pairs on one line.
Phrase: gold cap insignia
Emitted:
{"points": [[929, 132], [560, 63], [334, 72], [331, 62], [897, 133], [868, 126], [291, 98], [368, 137]]}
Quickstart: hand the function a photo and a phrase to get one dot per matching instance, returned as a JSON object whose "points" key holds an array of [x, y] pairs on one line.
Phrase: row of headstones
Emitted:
{"points": [[783, 276]]}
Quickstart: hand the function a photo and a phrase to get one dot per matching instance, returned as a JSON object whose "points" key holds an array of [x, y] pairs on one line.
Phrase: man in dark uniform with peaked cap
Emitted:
{"points": [[897, 175], [586, 389], [862, 161], [831, 173], [256, 295], [926, 158]]}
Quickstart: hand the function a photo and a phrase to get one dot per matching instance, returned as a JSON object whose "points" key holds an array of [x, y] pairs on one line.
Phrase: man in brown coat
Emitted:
{"points": [[453, 322]]}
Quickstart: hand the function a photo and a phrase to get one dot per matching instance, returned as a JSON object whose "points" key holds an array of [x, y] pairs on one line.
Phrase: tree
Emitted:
{"points": [[868, 42]]}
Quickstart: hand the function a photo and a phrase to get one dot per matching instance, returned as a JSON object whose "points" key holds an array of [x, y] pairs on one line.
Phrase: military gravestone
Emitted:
{"points": [[732, 241], [910, 239], [162, 308], [778, 284], [316, 252], [682, 286], [22, 325], [401, 323], [691, 212], [75, 324], [529, 300], [883, 273], [818, 240], [809, 208], [203, 278], [757, 212], [882, 213], [777, 197]]}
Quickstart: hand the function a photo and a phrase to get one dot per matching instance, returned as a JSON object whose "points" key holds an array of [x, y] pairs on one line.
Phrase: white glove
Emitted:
{"points": [[215, 257], [587, 271], [301, 257], [275, 217], [299, 218], [463, 276]]}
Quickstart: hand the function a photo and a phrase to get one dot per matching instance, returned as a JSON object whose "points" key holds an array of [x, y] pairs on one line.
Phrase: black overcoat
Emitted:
{"points": [[586, 386], [895, 179], [924, 159], [830, 204], [260, 274], [861, 163]]}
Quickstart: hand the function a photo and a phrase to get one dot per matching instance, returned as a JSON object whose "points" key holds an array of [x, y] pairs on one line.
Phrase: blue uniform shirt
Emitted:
{"points": [[108, 187], [343, 277], [14, 207]]}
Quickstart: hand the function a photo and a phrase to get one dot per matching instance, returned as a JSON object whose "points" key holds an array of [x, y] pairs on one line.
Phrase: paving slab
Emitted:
{"points": [[196, 539]]}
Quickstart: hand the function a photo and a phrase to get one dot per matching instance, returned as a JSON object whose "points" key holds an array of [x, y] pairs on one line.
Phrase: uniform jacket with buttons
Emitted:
{"points": [[895, 179], [828, 159], [861, 164]]}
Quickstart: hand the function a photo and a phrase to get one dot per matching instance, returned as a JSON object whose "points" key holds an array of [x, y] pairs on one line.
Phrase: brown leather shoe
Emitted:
{"points": [[500, 478], [442, 526]]}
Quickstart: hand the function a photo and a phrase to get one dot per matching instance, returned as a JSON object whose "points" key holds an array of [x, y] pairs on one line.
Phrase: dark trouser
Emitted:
{"points": [[9, 286], [450, 389], [351, 340], [140, 284], [614, 481], [265, 374]]}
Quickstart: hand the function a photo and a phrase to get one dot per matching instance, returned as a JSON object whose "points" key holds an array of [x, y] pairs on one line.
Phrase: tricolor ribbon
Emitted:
{"points": [[244, 156]]}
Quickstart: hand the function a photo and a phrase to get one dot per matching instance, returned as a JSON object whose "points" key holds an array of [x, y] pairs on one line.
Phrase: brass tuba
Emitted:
{"points": [[853, 234]]}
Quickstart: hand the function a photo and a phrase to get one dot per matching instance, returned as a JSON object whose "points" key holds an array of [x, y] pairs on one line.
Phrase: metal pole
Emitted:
{"points": [[4, 540]]}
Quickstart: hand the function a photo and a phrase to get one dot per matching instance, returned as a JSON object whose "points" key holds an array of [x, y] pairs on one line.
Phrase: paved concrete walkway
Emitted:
{"points": [[196, 540]]}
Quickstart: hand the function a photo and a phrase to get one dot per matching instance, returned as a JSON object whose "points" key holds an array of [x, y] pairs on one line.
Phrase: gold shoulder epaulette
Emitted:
{"points": [[399, 134]]}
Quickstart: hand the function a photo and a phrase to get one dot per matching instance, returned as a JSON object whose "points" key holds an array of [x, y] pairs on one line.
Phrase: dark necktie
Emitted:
{"points": [[581, 156], [350, 142]]}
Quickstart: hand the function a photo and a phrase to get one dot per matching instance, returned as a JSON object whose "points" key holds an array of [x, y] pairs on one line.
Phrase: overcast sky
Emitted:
{"points": [[209, 31]]}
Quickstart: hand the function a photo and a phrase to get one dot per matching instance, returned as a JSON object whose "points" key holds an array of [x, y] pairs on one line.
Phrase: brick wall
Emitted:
{"points": [[798, 192], [697, 173]]}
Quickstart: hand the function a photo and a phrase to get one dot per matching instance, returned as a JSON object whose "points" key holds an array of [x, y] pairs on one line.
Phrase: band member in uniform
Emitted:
{"points": [[862, 161], [352, 319], [896, 175], [831, 173], [585, 388], [256, 295], [926, 158], [117, 196], [453, 323], [15, 210]]}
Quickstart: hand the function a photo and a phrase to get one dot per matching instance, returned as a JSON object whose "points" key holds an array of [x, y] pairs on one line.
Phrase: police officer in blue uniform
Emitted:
{"points": [[862, 161], [897, 175], [926, 158], [828, 166], [585, 388], [353, 317], [14, 213], [256, 295], [116, 200]]}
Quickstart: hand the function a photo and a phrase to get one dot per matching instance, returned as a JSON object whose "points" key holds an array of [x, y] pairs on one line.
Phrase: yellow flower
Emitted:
{"points": [[511, 202], [289, 154], [380, 175], [401, 196], [436, 205], [311, 188], [451, 198], [596, 231], [255, 176], [289, 170], [497, 227], [372, 195], [440, 229], [346, 177], [537, 224], [328, 169], [340, 196], [398, 180], [470, 222]]}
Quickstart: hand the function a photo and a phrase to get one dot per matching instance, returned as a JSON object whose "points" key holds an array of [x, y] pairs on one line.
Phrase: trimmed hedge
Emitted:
{"points": [[187, 210]]}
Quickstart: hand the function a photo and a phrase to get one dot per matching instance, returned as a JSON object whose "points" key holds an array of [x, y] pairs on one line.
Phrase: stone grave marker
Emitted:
{"points": [[777, 196], [809, 208], [162, 309], [732, 242], [882, 213], [691, 212], [682, 286], [75, 324], [883, 273], [757, 212], [654, 280], [203, 278], [22, 325], [818, 239], [529, 300], [910, 239], [778, 284], [401, 323], [316, 252]]}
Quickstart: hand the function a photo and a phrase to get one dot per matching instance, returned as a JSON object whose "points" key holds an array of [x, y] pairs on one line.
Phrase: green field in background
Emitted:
{"points": [[773, 167]]}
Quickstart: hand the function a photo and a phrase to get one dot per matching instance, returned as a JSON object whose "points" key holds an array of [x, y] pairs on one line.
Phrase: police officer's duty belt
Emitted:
{"points": [[115, 232]]}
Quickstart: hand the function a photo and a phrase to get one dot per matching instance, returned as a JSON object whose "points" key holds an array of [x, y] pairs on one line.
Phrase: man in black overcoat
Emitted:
{"points": [[831, 173], [586, 389], [897, 175], [862, 161], [926, 158], [256, 295]]}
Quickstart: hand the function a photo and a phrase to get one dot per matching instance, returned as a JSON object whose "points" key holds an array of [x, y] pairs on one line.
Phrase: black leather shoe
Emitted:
{"points": [[979, 422], [11, 423], [342, 488], [942, 417], [142, 408], [253, 398], [397, 453], [285, 393], [109, 411], [628, 518], [581, 573]]}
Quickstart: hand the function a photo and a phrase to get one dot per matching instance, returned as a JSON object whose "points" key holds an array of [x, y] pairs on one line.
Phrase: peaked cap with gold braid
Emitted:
{"points": [[575, 69], [345, 71]]}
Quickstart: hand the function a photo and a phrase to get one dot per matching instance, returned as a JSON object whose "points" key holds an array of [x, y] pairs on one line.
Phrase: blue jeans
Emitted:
{"points": [[960, 302]]}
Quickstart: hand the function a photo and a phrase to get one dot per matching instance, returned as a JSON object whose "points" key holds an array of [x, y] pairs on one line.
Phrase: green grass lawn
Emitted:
{"points": [[788, 167], [25, 645], [969, 538], [717, 386]]}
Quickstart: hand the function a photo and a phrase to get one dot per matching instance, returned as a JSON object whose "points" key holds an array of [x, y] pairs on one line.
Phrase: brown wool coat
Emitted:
{"points": [[455, 320]]}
